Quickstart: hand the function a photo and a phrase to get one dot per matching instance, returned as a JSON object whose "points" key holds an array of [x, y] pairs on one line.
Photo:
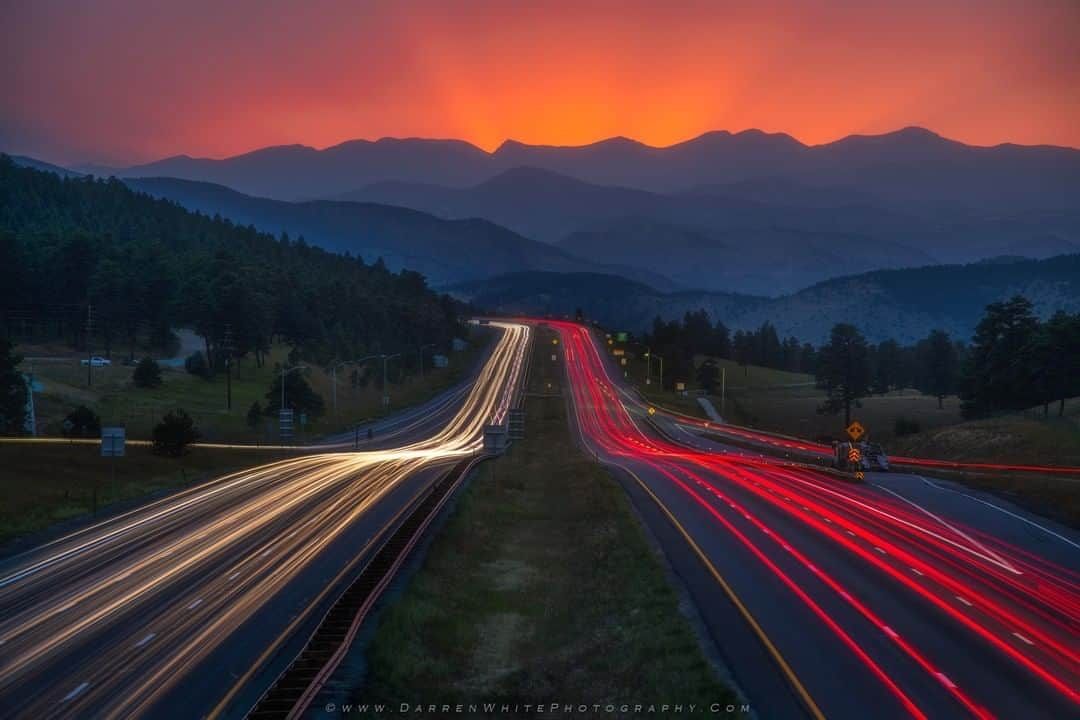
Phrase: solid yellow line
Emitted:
{"points": [[792, 678]]}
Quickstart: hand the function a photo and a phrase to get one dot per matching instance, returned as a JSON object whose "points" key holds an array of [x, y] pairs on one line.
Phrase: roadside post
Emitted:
{"points": [[112, 446]]}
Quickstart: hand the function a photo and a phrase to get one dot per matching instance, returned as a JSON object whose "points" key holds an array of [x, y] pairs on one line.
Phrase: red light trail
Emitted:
{"points": [[1013, 603]]}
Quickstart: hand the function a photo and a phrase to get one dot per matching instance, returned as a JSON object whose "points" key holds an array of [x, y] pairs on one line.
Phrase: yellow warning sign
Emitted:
{"points": [[855, 430], [652, 411]]}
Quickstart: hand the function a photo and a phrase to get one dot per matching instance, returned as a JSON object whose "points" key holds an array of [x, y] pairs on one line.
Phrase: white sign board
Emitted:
{"points": [[112, 442]]}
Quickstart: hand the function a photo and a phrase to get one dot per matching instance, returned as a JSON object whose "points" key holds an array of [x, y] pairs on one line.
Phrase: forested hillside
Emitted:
{"points": [[141, 267]]}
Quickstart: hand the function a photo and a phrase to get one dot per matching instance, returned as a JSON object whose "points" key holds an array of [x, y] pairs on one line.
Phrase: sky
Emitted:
{"points": [[127, 81]]}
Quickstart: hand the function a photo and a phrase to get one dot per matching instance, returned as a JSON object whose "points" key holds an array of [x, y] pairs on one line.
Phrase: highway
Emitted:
{"points": [[902, 597], [190, 605]]}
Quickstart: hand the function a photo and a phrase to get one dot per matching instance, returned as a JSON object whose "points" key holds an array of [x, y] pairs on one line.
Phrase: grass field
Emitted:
{"points": [[42, 484], [113, 396], [540, 588], [786, 402]]}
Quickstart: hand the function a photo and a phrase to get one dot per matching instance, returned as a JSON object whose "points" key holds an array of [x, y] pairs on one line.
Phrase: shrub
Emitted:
{"points": [[196, 364], [82, 422], [174, 433], [147, 373], [906, 426]]}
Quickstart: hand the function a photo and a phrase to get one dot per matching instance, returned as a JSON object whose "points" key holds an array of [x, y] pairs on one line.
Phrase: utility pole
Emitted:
{"points": [[89, 333], [723, 390], [228, 348]]}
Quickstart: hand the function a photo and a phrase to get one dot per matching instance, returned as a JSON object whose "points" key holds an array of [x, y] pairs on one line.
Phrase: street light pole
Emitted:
{"points": [[385, 394], [429, 345], [285, 371]]}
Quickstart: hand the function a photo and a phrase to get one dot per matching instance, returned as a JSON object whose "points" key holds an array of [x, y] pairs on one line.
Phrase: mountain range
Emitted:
{"points": [[912, 169], [751, 213]]}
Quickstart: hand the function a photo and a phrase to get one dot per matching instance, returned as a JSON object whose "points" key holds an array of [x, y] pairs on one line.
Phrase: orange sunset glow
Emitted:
{"points": [[117, 81]]}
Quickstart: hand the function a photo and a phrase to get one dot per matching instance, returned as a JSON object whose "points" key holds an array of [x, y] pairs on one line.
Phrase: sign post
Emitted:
{"points": [[112, 446]]}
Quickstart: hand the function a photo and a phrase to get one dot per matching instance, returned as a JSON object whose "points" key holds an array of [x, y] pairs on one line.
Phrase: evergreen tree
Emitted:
{"points": [[843, 370], [996, 375], [12, 391]]}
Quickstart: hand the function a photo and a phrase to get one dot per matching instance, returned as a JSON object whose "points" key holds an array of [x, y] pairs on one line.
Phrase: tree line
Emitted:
{"points": [[88, 260], [679, 341], [1013, 362]]}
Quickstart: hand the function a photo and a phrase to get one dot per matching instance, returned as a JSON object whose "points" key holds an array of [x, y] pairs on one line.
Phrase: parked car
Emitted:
{"points": [[96, 361]]}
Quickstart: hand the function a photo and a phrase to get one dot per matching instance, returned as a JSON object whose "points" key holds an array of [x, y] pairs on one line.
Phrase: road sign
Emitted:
{"points": [[855, 430], [622, 336], [112, 442], [854, 455], [680, 386], [285, 424], [652, 411], [859, 475]]}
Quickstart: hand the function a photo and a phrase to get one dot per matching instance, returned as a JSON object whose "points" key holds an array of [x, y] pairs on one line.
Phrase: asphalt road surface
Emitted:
{"points": [[190, 605], [901, 597]]}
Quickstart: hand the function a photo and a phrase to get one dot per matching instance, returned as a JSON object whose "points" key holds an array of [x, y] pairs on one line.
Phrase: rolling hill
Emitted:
{"points": [[445, 251], [900, 304]]}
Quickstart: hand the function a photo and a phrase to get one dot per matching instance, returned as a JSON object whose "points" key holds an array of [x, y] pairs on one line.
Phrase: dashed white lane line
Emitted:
{"points": [[75, 693], [945, 679], [917, 571], [233, 576], [145, 640], [880, 550], [1022, 638], [964, 600], [850, 533], [195, 604]]}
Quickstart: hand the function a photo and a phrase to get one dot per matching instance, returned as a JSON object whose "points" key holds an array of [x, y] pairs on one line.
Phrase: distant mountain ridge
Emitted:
{"points": [[904, 305], [445, 251], [911, 168]]}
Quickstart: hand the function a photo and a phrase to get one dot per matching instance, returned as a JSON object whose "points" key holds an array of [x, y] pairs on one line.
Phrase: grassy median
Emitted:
{"points": [[540, 588]]}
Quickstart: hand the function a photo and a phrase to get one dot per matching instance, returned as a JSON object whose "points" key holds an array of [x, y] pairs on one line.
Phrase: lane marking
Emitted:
{"points": [[195, 604], [75, 693], [785, 668], [973, 541], [1003, 510], [145, 640], [880, 550], [233, 576], [917, 571], [1024, 639], [963, 600]]}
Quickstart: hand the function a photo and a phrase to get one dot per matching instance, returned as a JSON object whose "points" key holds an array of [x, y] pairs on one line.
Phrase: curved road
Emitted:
{"points": [[188, 606], [903, 597]]}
